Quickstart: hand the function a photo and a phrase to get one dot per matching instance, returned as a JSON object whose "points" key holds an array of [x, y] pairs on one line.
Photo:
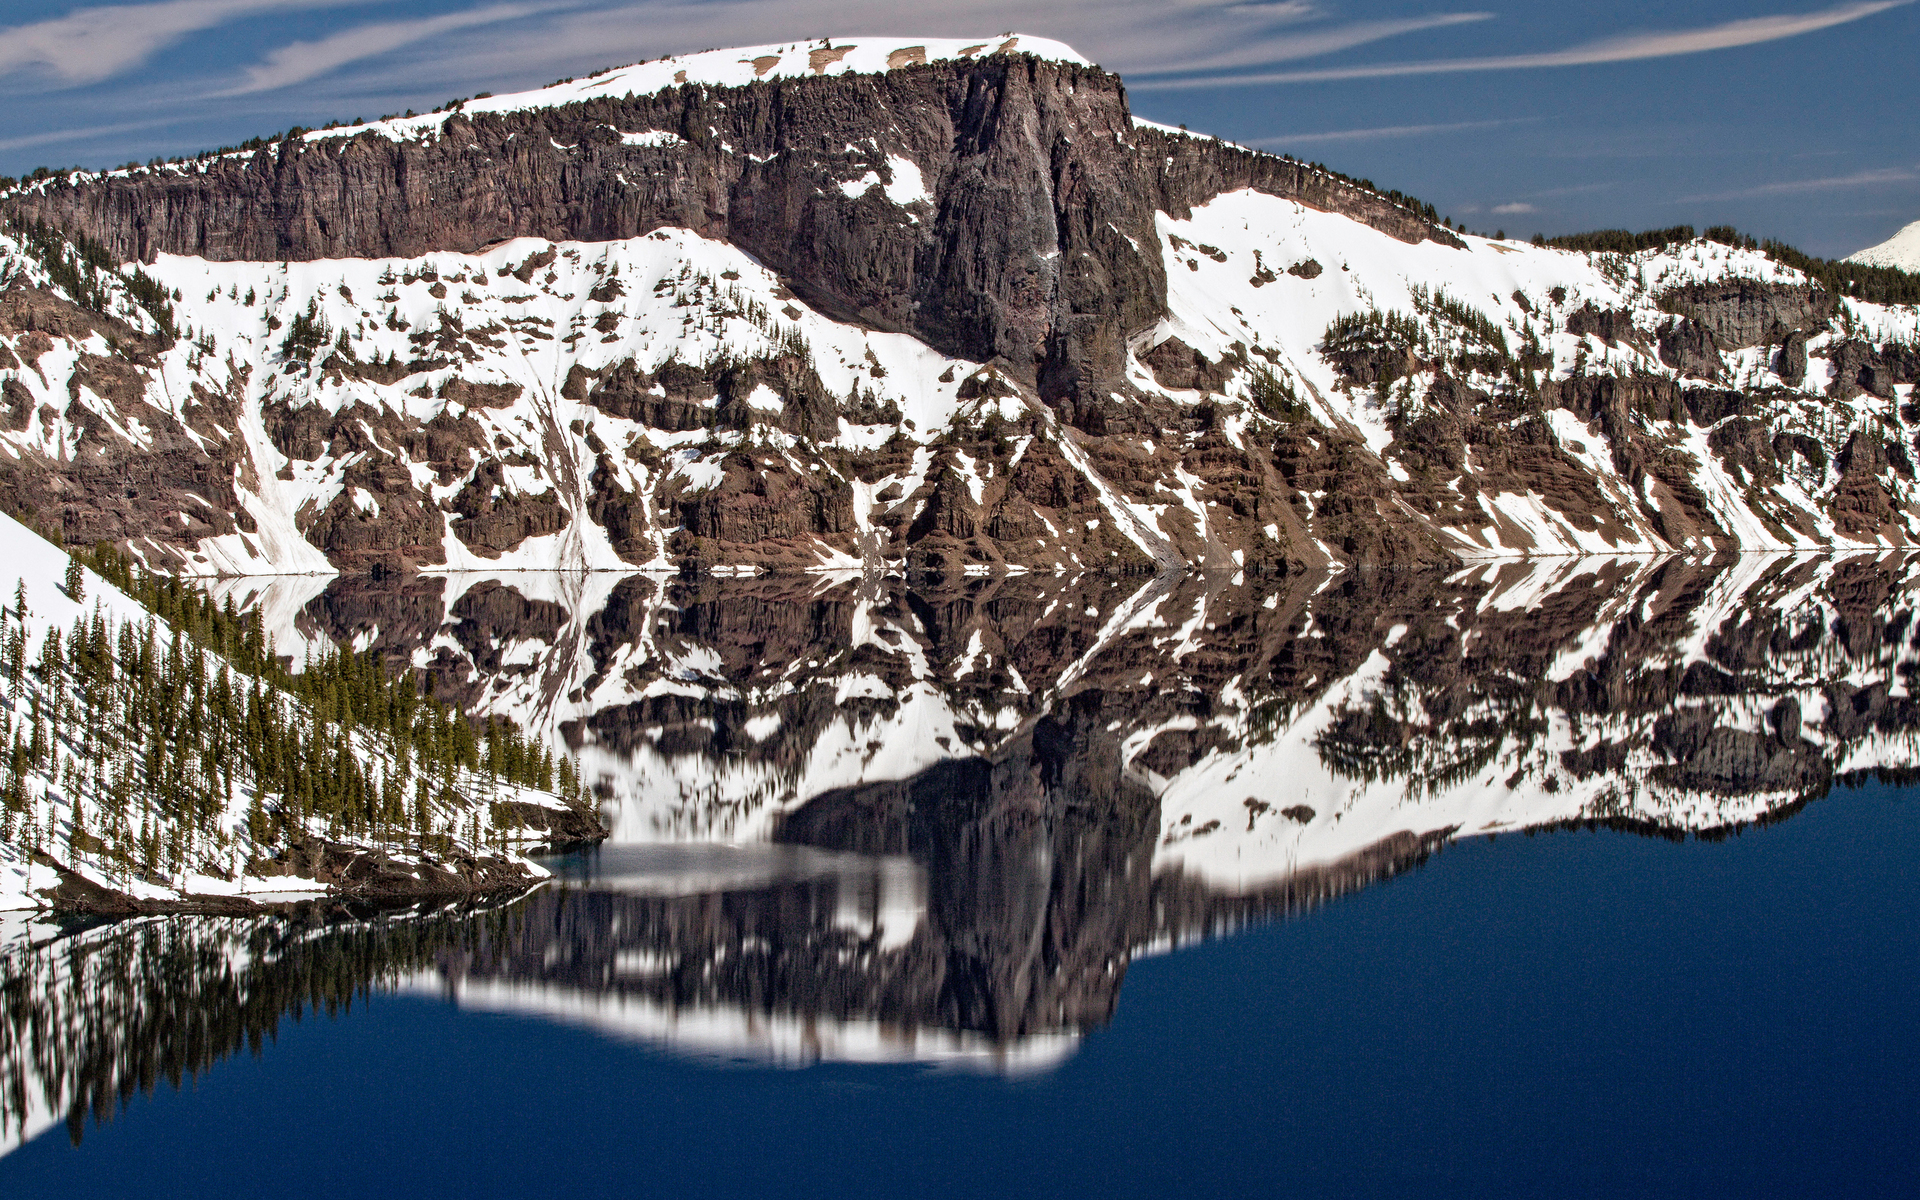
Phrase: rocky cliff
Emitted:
{"points": [[1026, 233], [834, 305]]}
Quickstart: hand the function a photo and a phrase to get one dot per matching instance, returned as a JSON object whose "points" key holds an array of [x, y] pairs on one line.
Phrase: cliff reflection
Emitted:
{"points": [[874, 820], [1263, 724]]}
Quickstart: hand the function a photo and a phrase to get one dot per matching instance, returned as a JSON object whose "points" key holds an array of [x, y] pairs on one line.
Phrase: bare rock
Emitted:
{"points": [[1609, 325], [1790, 361], [1690, 348], [1178, 365], [1743, 313]]}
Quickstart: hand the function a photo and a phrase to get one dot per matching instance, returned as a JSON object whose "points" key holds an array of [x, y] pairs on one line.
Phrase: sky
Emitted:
{"points": [[1786, 118]]}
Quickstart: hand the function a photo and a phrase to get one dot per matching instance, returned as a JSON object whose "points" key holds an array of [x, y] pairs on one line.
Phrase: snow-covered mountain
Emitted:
{"points": [[942, 305], [1902, 250]]}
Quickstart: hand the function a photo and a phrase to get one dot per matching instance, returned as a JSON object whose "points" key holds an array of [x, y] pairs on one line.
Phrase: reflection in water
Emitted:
{"points": [[869, 820], [1267, 724], [94, 1017], [774, 954]]}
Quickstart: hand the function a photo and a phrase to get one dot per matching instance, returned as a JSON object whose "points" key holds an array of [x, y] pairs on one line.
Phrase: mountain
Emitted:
{"points": [[1902, 250], [889, 304]]}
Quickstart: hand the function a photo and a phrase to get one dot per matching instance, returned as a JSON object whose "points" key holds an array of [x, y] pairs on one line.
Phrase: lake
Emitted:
{"points": [[1577, 877]]}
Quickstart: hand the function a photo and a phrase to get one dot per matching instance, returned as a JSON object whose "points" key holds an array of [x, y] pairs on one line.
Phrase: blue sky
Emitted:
{"points": [[1790, 118]]}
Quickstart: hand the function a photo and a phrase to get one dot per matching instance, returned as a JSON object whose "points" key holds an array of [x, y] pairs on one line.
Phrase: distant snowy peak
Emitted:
{"points": [[1902, 250], [742, 66]]}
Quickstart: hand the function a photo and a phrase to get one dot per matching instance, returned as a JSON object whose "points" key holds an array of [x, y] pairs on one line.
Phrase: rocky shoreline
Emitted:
{"points": [[350, 874]]}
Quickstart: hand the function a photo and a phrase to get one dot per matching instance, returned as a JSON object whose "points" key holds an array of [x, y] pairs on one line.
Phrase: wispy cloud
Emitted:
{"points": [[92, 44], [1314, 43], [1382, 131], [301, 61], [1749, 31], [1138, 37], [82, 134], [1515, 208], [1873, 178]]}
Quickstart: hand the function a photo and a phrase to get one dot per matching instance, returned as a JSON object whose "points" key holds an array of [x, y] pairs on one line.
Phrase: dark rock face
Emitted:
{"points": [[1178, 365], [1743, 313], [763, 500], [378, 518], [1861, 502], [1690, 348], [1858, 367], [1790, 363], [1609, 325], [495, 518], [1034, 244]]}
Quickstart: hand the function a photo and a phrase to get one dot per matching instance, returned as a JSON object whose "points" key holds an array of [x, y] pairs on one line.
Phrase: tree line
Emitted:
{"points": [[1876, 285]]}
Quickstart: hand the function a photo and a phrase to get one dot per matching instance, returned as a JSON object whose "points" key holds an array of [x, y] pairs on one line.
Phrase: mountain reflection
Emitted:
{"points": [[868, 819], [1262, 725]]}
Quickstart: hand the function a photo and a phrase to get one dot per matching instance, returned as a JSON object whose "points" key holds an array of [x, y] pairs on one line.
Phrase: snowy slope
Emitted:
{"points": [[540, 333], [1229, 285], [1902, 250], [679, 298], [45, 825]]}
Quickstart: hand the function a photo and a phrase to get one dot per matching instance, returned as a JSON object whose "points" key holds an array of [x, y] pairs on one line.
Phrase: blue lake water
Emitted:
{"points": [[1574, 1013]]}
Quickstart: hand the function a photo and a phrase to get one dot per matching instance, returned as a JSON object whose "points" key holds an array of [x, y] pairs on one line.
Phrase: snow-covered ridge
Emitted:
{"points": [[738, 67], [627, 403], [1902, 250], [1235, 278]]}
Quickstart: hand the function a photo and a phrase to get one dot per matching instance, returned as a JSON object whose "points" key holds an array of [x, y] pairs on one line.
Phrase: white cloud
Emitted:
{"points": [[1381, 131], [1517, 206], [1872, 178], [301, 61], [1748, 31], [83, 134], [91, 44], [1315, 43]]}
